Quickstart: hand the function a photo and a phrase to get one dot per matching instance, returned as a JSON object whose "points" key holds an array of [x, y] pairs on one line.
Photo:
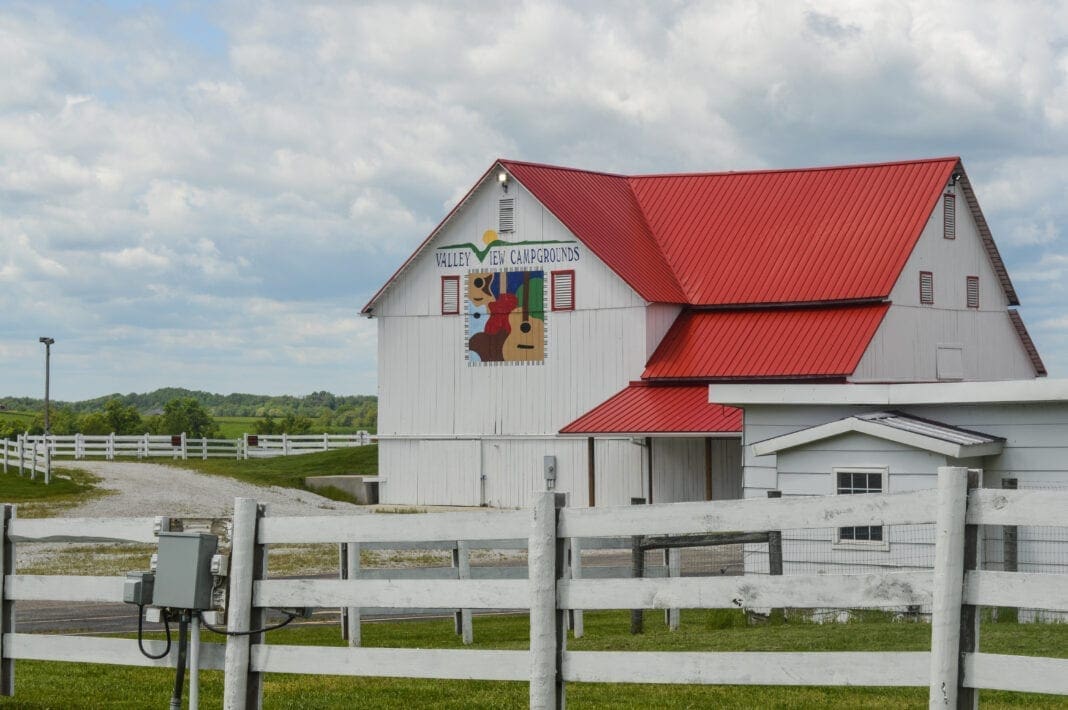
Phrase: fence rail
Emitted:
{"points": [[953, 669]]}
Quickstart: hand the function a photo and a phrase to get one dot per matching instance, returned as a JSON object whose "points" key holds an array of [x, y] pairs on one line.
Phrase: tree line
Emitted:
{"points": [[173, 410], [182, 414]]}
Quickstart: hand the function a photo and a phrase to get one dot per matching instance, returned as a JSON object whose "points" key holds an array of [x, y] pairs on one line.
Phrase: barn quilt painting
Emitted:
{"points": [[505, 316]]}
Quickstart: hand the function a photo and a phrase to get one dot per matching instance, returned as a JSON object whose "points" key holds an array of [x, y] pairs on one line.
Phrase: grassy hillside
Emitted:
{"points": [[24, 418]]}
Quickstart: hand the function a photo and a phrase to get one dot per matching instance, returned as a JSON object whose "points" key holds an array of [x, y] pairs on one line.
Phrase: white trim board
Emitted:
{"points": [[891, 395], [879, 431]]}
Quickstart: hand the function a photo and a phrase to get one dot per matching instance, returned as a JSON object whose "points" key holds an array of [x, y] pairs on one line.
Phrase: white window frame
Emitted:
{"points": [[839, 543]]}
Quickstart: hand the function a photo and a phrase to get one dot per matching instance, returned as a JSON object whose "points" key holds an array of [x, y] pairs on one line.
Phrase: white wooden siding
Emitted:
{"points": [[679, 469], [448, 472], [659, 317], [426, 386], [904, 348]]}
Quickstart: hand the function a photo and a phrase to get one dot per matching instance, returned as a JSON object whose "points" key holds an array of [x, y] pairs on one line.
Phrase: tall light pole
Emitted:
{"points": [[48, 450]]}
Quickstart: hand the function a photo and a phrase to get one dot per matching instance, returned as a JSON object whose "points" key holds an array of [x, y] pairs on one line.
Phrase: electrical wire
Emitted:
{"points": [[140, 633], [265, 629]]}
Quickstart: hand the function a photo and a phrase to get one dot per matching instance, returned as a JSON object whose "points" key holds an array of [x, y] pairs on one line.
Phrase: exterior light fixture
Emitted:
{"points": [[502, 178]]}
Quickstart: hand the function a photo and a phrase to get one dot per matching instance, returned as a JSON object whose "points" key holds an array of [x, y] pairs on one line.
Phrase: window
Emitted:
{"points": [[450, 295], [949, 216], [563, 290], [973, 292], [857, 481], [926, 288], [506, 215]]}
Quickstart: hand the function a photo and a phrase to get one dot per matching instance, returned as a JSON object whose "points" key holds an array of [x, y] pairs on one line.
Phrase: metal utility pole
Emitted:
{"points": [[48, 366]]}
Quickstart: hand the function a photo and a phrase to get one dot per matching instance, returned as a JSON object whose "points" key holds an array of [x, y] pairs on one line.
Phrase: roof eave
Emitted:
{"points": [[879, 431]]}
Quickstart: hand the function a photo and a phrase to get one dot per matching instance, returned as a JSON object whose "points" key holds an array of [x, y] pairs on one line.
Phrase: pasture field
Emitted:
{"points": [[24, 418], [236, 427], [290, 471], [50, 685]]}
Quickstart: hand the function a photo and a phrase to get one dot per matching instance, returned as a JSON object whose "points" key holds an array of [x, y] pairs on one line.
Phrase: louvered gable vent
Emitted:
{"points": [[926, 288], [506, 215], [973, 292], [450, 295], [949, 216], [563, 290]]}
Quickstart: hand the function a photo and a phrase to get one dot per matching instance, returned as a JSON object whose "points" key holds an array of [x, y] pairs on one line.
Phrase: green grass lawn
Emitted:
{"points": [[290, 471], [54, 685], [69, 487]]}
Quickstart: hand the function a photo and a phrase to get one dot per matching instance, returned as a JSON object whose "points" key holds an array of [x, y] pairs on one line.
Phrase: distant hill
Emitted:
{"points": [[313, 406]]}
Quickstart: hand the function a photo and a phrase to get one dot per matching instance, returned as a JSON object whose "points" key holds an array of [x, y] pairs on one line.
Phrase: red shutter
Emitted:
{"points": [[563, 283], [450, 295]]}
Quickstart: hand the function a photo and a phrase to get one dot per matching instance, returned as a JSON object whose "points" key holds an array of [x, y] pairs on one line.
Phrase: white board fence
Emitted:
{"points": [[952, 670], [23, 457], [179, 446]]}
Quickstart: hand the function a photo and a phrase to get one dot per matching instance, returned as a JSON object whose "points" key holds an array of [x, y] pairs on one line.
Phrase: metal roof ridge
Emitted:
{"points": [[787, 305], [548, 166], [818, 168]]}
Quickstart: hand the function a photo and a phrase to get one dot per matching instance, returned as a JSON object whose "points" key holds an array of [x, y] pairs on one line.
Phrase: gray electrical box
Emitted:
{"points": [[183, 570], [137, 589]]}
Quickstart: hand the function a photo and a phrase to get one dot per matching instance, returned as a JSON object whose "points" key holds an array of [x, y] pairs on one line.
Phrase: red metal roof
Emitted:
{"points": [[782, 236], [823, 234], [601, 210], [766, 343], [642, 408]]}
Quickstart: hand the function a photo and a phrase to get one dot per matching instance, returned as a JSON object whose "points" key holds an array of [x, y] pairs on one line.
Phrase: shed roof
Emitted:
{"points": [[893, 426], [823, 342], [643, 408]]}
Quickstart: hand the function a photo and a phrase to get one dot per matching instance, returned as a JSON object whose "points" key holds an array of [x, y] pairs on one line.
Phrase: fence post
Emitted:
{"points": [[948, 586], [461, 561], [326, 441], [969, 613], [637, 571], [1009, 548], [673, 562], [110, 451], [5, 445], [350, 569], [7, 607], [242, 688], [285, 444], [244, 446], [33, 461], [775, 559], [185, 447], [548, 629], [575, 572]]}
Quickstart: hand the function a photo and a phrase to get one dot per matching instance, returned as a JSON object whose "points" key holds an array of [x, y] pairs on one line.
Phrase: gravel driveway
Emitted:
{"points": [[149, 489]]}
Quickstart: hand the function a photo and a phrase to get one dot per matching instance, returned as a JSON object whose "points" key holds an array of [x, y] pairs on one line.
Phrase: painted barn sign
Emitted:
{"points": [[505, 320]]}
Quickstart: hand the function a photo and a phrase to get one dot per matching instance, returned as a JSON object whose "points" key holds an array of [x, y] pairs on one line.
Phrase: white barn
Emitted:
{"points": [[578, 314]]}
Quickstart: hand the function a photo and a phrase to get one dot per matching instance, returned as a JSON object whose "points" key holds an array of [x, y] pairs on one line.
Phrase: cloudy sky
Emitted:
{"points": [[205, 194]]}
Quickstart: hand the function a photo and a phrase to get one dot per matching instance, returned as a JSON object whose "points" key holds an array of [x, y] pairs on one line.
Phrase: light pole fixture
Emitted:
{"points": [[48, 449]]}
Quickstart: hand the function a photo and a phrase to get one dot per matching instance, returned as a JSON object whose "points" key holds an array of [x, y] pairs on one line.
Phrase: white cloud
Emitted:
{"points": [[149, 178]]}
